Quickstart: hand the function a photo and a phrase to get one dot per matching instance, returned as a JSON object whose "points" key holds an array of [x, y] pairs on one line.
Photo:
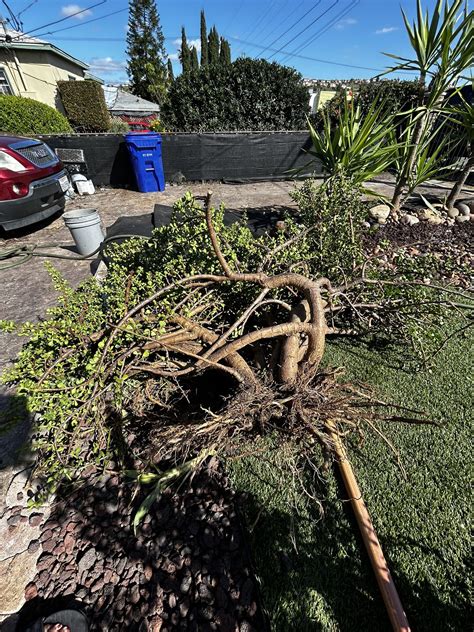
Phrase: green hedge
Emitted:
{"points": [[85, 106], [248, 94], [19, 115], [398, 95]]}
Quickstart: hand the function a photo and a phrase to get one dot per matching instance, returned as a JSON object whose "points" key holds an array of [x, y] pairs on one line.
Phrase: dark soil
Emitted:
{"points": [[436, 237]]}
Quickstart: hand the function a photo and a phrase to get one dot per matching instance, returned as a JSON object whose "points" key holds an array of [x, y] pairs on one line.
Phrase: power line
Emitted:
{"points": [[321, 31], [285, 19], [306, 28], [268, 28], [234, 15], [13, 18], [262, 17], [75, 26], [107, 39], [67, 17], [28, 6], [291, 27], [322, 61]]}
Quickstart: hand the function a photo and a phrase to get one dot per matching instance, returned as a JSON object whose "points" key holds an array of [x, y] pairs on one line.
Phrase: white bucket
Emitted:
{"points": [[85, 228]]}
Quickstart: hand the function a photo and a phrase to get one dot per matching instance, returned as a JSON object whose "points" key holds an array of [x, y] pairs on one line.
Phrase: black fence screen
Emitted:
{"points": [[237, 157]]}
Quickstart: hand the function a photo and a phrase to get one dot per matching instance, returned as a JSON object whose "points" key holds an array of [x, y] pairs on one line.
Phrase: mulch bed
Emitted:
{"points": [[452, 243], [187, 569]]}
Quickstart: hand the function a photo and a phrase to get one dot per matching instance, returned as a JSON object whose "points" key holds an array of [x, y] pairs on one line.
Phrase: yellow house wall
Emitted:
{"points": [[35, 73], [325, 96]]}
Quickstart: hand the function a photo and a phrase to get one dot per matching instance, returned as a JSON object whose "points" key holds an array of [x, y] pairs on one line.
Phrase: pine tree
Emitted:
{"points": [[169, 68], [224, 54], [204, 55], [185, 53], [146, 51], [213, 46], [194, 59]]}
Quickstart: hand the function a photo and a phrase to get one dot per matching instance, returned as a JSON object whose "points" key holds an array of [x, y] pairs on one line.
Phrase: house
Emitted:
{"points": [[31, 67], [323, 90], [128, 107]]}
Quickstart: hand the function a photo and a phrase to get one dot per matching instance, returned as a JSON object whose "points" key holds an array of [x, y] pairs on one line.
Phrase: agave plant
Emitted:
{"points": [[357, 146]]}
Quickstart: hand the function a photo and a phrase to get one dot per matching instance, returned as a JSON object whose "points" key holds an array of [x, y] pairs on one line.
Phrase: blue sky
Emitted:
{"points": [[351, 32]]}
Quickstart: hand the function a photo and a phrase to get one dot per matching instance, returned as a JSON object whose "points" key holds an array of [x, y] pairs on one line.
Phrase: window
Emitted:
{"points": [[5, 87], [71, 78]]}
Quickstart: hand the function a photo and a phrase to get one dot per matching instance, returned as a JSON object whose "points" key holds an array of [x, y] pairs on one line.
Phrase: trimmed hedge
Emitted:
{"points": [[247, 95], [19, 115], [85, 106]]}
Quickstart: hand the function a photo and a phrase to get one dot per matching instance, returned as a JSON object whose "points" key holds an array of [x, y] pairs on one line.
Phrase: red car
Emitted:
{"points": [[33, 182]]}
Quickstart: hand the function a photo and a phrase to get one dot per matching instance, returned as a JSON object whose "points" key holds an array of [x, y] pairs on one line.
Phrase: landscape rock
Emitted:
{"points": [[86, 561], [31, 591], [410, 220], [453, 212], [380, 212], [430, 216], [16, 573], [463, 208], [462, 218], [36, 519]]}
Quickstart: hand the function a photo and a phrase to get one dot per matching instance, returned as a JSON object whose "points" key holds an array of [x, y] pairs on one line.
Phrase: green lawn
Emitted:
{"points": [[324, 580]]}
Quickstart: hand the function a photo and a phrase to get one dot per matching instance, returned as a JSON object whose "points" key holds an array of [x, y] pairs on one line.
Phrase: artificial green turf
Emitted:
{"points": [[324, 580]]}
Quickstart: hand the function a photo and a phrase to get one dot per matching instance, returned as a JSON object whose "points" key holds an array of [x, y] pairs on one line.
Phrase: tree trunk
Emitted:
{"points": [[400, 193], [456, 190]]}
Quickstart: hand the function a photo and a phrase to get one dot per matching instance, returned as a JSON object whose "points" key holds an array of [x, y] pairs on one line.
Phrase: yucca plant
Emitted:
{"points": [[428, 160], [357, 146], [462, 115], [443, 47]]}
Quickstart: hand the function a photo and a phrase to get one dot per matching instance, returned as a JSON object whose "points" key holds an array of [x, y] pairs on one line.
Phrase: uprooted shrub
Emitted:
{"points": [[207, 335]]}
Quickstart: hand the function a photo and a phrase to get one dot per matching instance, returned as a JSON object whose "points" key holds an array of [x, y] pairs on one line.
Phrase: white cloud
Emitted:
{"points": [[386, 29], [106, 65], [70, 9], [177, 42], [343, 23], [195, 42]]}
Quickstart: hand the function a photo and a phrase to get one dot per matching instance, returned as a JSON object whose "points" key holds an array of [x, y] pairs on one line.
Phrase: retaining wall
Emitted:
{"points": [[224, 156]]}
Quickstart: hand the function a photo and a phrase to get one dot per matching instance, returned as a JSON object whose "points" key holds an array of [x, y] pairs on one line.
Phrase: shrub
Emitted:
{"points": [[117, 126], [396, 94], [19, 115], [106, 363], [355, 145], [85, 106], [157, 126], [245, 95]]}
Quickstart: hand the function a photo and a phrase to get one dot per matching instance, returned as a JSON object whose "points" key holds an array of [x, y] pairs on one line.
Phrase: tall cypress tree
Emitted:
{"points": [[185, 53], [213, 46], [204, 55], [224, 53], [169, 68], [146, 51], [194, 59]]}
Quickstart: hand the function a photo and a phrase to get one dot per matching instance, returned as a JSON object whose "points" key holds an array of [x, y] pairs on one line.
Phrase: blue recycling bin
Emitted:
{"points": [[145, 152]]}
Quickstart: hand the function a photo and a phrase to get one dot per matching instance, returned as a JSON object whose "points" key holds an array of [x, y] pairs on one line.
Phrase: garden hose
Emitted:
{"points": [[18, 255]]}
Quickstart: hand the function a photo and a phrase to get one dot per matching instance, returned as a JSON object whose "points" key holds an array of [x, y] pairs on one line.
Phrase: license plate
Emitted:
{"points": [[64, 183]]}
